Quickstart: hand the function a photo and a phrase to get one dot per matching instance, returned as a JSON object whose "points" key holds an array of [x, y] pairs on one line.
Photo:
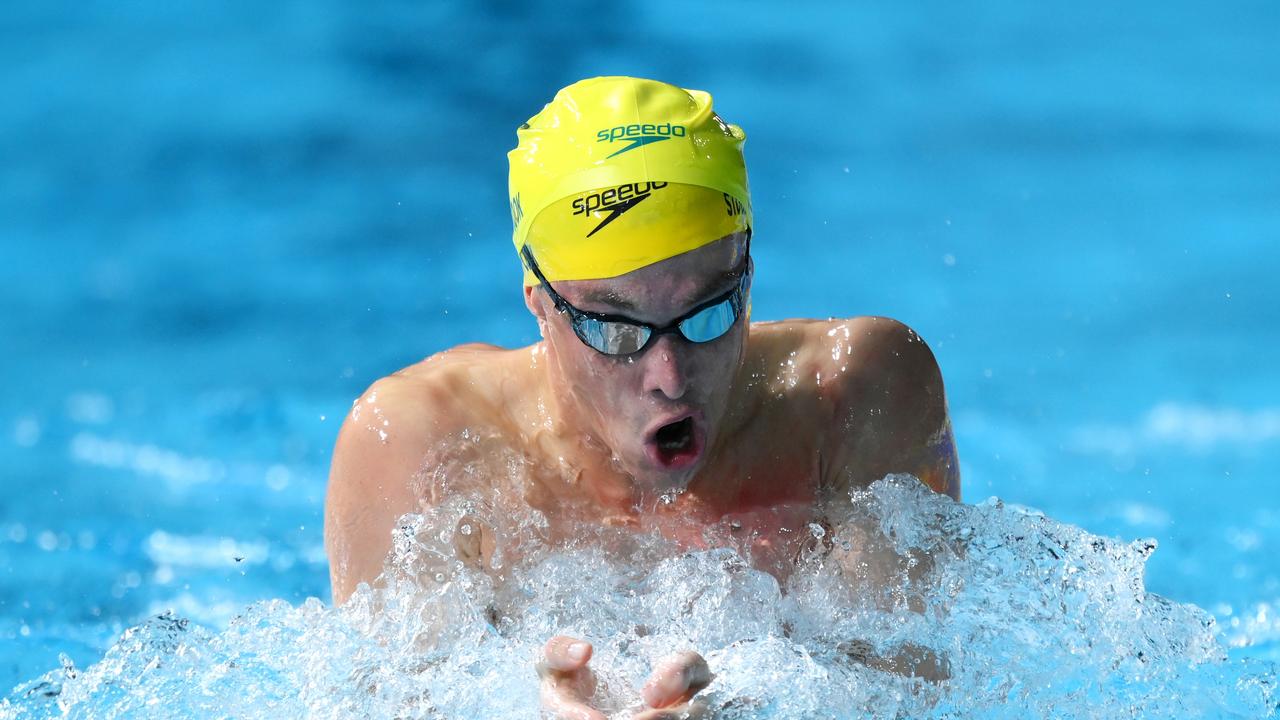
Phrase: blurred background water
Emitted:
{"points": [[220, 221]]}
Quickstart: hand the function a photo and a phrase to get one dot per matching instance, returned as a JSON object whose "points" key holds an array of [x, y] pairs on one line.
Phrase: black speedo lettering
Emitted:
{"points": [[615, 200]]}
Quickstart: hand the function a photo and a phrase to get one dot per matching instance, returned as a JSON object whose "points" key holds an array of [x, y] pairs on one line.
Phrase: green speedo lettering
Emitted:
{"points": [[627, 132], [639, 134]]}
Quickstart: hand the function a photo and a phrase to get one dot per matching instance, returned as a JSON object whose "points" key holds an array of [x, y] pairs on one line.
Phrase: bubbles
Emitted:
{"points": [[903, 603]]}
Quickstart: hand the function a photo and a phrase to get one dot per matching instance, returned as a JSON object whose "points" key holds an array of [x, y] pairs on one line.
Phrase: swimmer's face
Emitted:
{"points": [[660, 410]]}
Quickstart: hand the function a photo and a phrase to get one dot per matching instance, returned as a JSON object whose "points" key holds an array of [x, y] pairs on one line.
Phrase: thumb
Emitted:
{"points": [[676, 679]]}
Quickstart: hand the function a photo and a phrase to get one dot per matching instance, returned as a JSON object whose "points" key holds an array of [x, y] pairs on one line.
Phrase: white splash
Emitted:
{"points": [[1014, 614]]}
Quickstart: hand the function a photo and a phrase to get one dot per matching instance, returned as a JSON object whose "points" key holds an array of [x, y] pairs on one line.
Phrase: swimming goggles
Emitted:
{"points": [[621, 335]]}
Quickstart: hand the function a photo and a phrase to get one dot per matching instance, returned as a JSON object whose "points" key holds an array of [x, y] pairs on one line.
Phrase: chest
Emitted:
{"points": [[768, 510]]}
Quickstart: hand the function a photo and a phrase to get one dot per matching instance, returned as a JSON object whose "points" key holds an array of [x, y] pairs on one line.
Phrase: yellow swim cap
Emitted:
{"points": [[617, 173]]}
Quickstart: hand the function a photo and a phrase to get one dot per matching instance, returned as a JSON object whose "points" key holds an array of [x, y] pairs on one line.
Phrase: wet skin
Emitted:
{"points": [[784, 416]]}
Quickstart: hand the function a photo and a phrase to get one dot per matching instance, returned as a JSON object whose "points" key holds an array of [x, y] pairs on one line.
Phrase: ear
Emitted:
{"points": [[531, 301], [534, 301]]}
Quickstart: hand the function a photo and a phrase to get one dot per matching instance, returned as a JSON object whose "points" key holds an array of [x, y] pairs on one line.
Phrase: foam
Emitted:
{"points": [[1020, 616]]}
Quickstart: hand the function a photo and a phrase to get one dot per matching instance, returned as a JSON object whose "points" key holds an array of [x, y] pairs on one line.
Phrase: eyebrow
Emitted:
{"points": [[610, 298], [614, 300]]}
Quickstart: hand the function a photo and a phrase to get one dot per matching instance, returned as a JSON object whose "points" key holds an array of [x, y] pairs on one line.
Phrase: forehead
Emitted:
{"points": [[663, 288]]}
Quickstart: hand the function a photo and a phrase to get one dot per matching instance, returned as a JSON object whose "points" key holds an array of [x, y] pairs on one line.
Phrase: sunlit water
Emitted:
{"points": [[221, 221], [1021, 616]]}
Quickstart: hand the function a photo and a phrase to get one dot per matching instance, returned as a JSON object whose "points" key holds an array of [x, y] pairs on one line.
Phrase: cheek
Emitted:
{"points": [[596, 381], [715, 367], [718, 358], [610, 380]]}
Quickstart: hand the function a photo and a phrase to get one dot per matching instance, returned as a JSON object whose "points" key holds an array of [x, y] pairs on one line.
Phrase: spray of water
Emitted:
{"points": [[904, 604]]}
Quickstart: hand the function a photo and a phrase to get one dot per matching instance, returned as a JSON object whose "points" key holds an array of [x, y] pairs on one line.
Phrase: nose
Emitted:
{"points": [[665, 368]]}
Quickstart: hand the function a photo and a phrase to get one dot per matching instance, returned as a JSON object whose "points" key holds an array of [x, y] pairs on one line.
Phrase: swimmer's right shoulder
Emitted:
{"points": [[465, 379], [459, 359], [463, 386], [382, 446], [387, 438], [389, 433]]}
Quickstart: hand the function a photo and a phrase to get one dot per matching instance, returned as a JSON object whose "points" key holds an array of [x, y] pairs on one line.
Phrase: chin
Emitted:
{"points": [[671, 450], [652, 486], [655, 473]]}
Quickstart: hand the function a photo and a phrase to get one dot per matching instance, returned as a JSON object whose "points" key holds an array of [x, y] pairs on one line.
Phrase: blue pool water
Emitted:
{"points": [[220, 222]]}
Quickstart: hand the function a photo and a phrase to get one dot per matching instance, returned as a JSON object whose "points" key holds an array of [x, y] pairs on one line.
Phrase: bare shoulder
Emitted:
{"points": [[884, 391], [843, 355], [877, 351], [385, 442], [431, 398]]}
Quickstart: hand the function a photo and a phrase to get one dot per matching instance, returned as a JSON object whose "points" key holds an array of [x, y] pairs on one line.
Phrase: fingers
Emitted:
{"points": [[565, 654], [567, 682], [676, 679]]}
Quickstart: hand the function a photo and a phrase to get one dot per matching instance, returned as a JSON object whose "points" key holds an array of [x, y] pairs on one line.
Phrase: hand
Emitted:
{"points": [[672, 685], [568, 684]]}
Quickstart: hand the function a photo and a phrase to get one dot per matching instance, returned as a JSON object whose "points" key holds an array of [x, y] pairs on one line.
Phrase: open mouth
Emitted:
{"points": [[677, 444]]}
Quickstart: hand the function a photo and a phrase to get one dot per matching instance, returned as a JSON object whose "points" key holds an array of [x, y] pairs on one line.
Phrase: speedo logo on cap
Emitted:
{"points": [[517, 212], [616, 200], [640, 134]]}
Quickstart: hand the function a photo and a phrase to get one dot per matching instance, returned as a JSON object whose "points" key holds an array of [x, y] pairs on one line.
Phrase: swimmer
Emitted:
{"points": [[652, 401]]}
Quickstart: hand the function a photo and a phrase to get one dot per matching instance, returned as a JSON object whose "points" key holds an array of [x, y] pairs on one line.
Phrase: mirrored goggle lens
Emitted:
{"points": [[709, 324], [612, 338]]}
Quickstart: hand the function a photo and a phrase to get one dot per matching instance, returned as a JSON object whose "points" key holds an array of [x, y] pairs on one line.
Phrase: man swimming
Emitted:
{"points": [[651, 401]]}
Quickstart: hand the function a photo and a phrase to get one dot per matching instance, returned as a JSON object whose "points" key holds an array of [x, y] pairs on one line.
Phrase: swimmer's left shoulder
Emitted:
{"points": [[867, 327], [890, 407], [838, 348], [878, 352]]}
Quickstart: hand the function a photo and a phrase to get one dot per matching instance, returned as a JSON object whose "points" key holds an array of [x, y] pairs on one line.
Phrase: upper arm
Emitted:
{"points": [[891, 411], [380, 449]]}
